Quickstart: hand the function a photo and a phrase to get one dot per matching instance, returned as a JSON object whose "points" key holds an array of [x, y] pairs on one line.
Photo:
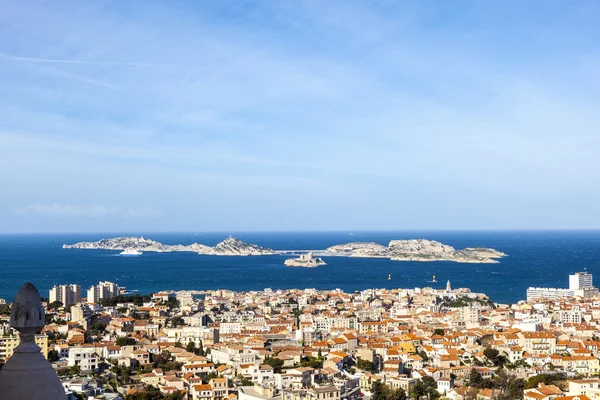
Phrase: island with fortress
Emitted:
{"points": [[305, 261]]}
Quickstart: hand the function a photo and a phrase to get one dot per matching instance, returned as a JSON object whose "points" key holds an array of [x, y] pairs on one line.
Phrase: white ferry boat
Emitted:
{"points": [[130, 252]]}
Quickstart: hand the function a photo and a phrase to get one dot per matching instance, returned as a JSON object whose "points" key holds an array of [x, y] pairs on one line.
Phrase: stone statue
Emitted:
{"points": [[27, 375]]}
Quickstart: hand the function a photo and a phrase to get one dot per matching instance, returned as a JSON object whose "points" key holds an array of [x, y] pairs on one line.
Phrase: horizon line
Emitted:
{"points": [[348, 231]]}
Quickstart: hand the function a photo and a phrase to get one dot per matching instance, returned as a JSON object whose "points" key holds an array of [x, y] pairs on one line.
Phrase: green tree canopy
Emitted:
{"points": [[191, 346], [491, 354], [426, 386], [382, 392], [548, 379], [125, 341], [54, 305], [53, 355], [274, 362], [201, 349], [246, 382], [4, 309], [365, 365]]}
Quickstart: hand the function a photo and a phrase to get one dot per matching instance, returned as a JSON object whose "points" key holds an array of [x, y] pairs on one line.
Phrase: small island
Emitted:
{"points": [[416, 250], [305, 261], [228, 247]]}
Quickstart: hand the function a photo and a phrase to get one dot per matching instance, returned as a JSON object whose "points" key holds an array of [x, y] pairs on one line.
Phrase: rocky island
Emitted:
{"points": [[305, 261], [228, 247], [400, 250], [416, 250], [236, 247]]}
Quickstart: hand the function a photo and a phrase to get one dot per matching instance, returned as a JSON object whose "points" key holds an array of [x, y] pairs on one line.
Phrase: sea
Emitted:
{"points": [[535, 258]]}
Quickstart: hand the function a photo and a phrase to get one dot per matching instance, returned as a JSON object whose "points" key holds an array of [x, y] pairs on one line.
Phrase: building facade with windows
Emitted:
{"points": [[66, 294], [536, 293], [8, 343]]}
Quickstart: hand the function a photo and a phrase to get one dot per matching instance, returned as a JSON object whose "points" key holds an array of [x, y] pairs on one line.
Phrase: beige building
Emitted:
{"points": [[404, 383], [583, 365], [8, 344], [256, 392], [314, 393], [586, 387], [543, 342], [470, 314], [219, 388]]}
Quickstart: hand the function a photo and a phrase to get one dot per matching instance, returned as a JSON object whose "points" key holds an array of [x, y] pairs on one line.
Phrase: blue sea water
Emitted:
{"points": [[535, 258]]}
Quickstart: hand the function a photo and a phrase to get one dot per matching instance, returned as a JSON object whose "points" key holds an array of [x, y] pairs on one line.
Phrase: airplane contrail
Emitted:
{"points": [[108, 63]]}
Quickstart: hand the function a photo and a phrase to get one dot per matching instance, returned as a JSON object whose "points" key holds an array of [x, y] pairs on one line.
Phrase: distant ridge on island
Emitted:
{"points": [[397, 250], [228, 247], [415, 250]]}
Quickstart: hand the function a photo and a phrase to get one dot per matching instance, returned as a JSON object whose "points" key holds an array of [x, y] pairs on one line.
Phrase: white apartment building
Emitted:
{"points": [[284, 381], [349, 322], [234, 356], [264, 374], [104, 290], [83, 357], [196, 334], [257, 392], [580, 280], [66, 294], [323, 323], [330, 392], [230, 328], [574, 316], [535, 293]]}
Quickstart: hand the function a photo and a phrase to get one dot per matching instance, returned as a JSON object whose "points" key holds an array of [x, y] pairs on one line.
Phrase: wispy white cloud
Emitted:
{"points": [[273, 106], [108, 63], [82, 79], [88, 211]]}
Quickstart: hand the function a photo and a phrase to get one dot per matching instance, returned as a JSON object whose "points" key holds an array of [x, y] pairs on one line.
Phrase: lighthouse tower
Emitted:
{"points": [[448, 287]]}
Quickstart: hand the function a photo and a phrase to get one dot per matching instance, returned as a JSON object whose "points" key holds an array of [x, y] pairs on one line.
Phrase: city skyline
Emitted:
{"points": [[146, 116]]}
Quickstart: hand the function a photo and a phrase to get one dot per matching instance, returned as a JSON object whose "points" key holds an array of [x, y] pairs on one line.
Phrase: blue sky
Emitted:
{"points": [[299, 115]]}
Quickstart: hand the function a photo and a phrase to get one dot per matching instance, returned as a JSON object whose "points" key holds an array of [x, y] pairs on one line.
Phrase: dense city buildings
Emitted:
{"points": [[323, 344]]}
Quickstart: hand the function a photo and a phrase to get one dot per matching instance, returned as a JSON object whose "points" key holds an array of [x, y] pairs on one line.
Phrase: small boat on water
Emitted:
{"points": [[130, 252]]}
